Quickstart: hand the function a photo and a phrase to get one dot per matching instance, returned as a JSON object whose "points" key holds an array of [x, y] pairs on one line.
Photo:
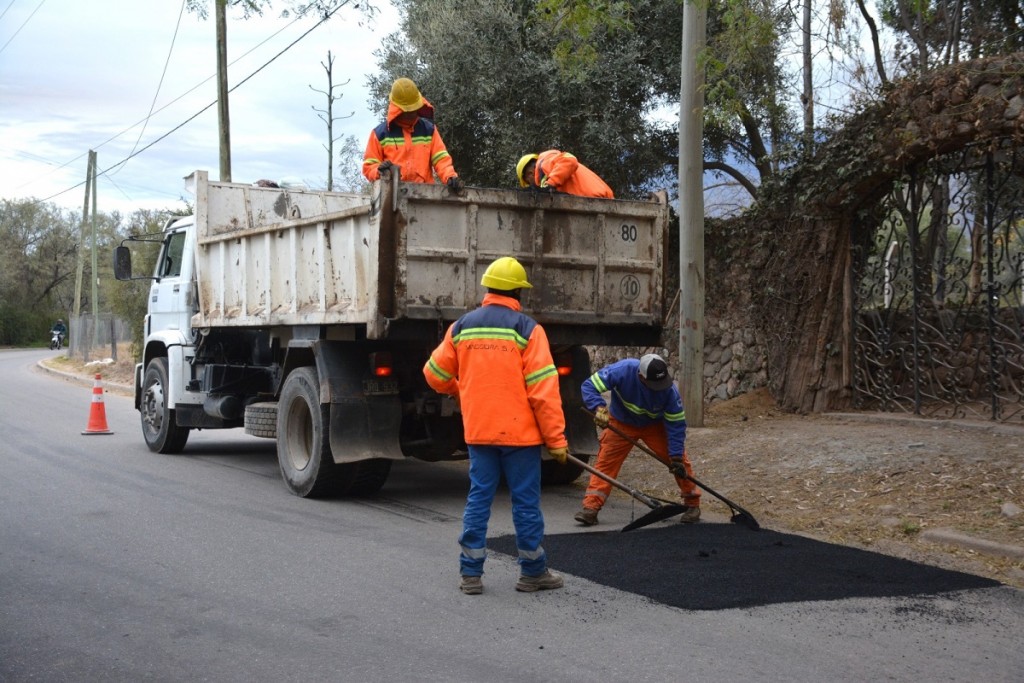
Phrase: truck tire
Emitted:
{"points": [[261, 420], [370, 476], [303, 437], [554, 474], [159, 428], [304, 445]]}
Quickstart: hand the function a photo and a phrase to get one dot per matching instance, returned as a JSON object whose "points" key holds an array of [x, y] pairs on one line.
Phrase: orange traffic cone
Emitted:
{"points": [[97, 414]]}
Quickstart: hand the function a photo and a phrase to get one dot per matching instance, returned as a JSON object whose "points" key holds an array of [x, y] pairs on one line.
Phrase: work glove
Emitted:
{"points": [[455, 184], [559, 454], [601, 417], [385, 166], [676, 465]]}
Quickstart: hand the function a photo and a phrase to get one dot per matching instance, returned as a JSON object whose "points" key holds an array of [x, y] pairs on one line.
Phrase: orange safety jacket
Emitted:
{"points": [[417, 148], [497, 361], [565, 173]]}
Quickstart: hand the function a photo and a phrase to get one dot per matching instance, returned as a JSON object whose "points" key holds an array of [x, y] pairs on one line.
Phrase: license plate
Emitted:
{"points": [[377, 387]]}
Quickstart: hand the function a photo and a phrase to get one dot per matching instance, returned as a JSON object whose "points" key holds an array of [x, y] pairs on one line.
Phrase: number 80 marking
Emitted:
{"points": [[628, 232]]}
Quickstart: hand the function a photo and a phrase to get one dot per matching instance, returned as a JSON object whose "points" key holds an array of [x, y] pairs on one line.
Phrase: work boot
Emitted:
{"points": [[586, 517], [471, 585], [691, 515], [545, 582]]}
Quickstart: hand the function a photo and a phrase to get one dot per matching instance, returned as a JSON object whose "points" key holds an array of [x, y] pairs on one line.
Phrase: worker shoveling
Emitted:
{"points": [[660, 509], [739, 515]]}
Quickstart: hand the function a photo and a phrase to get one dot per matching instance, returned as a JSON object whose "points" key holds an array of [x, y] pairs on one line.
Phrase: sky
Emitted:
{"points": [[78, 76]]}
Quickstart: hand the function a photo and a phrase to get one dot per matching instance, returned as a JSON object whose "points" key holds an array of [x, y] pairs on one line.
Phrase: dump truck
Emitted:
{"points": [[306, 316]]}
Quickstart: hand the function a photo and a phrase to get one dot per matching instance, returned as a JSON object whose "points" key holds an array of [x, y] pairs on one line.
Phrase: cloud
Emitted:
{"points": [[76, 76]]}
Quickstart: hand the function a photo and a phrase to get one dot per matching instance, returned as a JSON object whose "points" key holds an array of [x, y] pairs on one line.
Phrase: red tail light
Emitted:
{"points": [[380, 364], [563, 364]]}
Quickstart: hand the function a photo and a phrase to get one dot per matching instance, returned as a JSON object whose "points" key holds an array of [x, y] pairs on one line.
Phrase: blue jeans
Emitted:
{"points": [[521, 467]]}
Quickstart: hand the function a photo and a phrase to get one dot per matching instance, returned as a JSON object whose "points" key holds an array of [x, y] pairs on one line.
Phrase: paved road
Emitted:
{"points": [[117, 564]]}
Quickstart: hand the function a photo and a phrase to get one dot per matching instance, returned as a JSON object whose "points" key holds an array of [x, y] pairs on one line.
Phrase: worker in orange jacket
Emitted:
{"points": [[409, 139], [496, 360], [562, 172]]}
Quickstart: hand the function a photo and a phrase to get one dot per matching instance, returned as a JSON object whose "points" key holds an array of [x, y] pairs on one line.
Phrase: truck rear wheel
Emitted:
{"points": [[159, 428], [303, 437]]}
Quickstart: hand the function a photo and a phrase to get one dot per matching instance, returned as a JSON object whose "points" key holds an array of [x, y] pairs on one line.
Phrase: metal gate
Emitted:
{"points": [[938, 290]]}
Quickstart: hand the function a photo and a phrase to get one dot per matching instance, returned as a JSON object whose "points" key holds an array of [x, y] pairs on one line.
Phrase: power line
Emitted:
{"points": [[176, 99], [159, 85], [41, 3]]}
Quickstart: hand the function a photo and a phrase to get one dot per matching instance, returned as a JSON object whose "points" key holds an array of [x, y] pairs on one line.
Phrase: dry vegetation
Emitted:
{"points": [[113, 372]]}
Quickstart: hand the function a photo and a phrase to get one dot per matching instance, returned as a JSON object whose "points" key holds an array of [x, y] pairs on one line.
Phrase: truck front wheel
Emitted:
{"points": [[162, 433]]}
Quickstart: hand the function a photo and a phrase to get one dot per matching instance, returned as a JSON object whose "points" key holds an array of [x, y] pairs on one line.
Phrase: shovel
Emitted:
{"points": [[660, 509], [739, 515]]}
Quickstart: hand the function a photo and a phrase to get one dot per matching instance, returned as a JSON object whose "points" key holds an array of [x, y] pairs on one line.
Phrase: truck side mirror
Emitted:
{"points": [[122, 263]]}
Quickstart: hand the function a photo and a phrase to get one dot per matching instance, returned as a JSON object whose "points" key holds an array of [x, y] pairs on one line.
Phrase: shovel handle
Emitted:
{"points": [[646, 500], [680, 471]]}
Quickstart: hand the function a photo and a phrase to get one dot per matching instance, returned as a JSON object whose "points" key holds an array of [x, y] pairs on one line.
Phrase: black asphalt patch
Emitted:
{"points": [[722, 566]]}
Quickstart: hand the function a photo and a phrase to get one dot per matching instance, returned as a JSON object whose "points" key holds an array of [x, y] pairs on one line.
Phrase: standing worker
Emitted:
{"points": [[409, 139], [646, 406], [562, 172], [496, 361]]}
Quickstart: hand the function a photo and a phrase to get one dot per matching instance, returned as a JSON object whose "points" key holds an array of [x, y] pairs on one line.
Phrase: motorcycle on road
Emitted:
{"points": [[56, 340]]}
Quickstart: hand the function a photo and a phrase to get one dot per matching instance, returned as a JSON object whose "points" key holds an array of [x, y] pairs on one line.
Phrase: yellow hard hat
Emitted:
{"points": [[521, 165], [405, 95], [505, 274]]}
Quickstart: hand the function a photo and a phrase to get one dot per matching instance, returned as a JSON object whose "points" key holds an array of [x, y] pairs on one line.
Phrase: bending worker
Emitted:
{"points": [[409, 139], [562, 172], [646, 406], [497, 362]]}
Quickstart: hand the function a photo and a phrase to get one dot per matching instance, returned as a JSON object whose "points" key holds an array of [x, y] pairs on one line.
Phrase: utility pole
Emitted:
{"points": [[95, 273], [327, 116], [691, 212], [90, 171], [223, 120]]}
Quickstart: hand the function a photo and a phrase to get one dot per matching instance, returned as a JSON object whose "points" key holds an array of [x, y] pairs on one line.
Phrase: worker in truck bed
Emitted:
{"points": [[562, 172], [409, 139], [646, 406], [497, 362]]}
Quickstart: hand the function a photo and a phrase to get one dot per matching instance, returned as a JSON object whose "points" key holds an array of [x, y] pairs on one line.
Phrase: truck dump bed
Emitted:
{"points": [[270, 257]]}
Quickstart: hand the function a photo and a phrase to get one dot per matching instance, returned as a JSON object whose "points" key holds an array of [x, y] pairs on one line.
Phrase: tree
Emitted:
{"points": [[325, 8], [749, 130], [350, 167], [328, 117], [491, 70]]}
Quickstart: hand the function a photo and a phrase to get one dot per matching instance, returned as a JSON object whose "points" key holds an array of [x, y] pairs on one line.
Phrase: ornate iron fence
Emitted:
{"points": [[938, 290]]}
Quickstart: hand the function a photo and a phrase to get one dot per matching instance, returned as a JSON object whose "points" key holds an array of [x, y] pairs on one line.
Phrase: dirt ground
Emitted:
{"points": [[870, 481]]}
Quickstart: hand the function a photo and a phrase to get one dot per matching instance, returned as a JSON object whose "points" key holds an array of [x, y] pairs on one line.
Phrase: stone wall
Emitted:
{"points": [[735, 352]]}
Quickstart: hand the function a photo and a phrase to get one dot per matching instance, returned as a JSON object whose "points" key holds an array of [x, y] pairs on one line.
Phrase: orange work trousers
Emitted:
{"points": [[612, 455]]}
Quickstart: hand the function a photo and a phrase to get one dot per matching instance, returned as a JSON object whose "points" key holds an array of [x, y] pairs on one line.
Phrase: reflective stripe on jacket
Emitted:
{"points": [[634, 403], [418, 149], [565, 173], [497, 360]]}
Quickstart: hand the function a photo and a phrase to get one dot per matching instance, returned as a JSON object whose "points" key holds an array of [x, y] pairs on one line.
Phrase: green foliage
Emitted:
{"points": [[39, 255], [129, 300], [38, 249], [492, 72]]}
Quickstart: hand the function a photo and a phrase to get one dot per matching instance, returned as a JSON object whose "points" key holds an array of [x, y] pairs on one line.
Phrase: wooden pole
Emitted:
{"points": [[691, 213], [223, 119], [95, 274]]}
